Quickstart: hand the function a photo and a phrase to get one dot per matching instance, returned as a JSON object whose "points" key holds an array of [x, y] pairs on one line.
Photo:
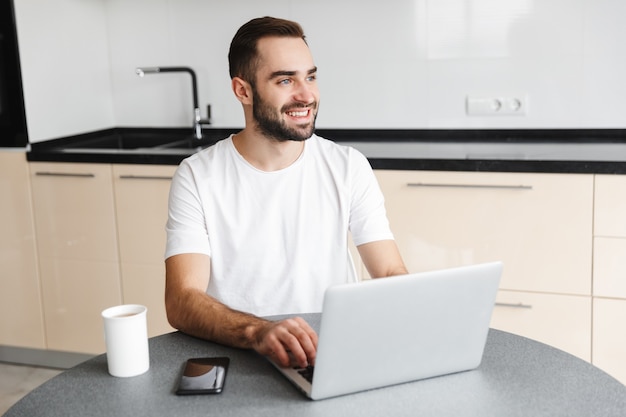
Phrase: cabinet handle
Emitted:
{"points": [[500, 187], [145, 177], [65, 174], [514, 305]]}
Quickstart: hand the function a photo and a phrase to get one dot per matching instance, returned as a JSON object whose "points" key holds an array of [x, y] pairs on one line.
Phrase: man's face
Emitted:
{"points": [[285, 94]]}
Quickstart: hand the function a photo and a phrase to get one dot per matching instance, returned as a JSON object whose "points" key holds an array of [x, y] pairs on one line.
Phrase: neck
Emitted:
{"points": [[264, 153]]}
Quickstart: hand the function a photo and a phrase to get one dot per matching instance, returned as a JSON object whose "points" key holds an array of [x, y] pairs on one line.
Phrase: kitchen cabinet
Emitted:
{"points": [[100, 239], [21, 316], [609, 218], [609, 267], [562, 321], [609, 337], [539, 225], [609, 275], [74, 216], [141, 194]]}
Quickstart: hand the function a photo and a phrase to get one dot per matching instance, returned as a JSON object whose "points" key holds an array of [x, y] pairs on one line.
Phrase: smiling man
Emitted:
{"points": [[258, 223]]}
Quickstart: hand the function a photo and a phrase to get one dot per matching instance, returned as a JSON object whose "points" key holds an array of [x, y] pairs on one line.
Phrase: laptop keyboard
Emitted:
{"points": [[307, 373]]}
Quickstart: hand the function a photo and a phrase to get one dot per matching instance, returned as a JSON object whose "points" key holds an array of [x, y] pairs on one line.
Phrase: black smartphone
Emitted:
{"points": [[203, 376]]}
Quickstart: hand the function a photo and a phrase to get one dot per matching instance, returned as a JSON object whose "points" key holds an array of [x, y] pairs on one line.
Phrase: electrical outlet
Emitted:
{"points": [[496, 106]]}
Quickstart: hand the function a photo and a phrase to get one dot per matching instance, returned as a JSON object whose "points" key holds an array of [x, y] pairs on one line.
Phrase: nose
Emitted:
{"points": [[306, 92]]}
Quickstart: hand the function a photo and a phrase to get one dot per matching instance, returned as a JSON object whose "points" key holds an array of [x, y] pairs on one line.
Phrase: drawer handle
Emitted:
{"points": [[487, 186], [65, 174], [144, 177], [514, 305]]}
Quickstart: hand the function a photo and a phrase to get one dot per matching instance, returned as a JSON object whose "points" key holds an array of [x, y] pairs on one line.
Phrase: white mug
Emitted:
{"points": [[126, 338]]}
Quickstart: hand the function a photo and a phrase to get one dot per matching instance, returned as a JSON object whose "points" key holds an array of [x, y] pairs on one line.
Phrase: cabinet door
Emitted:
{"points": [[609, 267], [21, 316], [609, 337], [539, 225], [141, 194], [562, 321], [78, 255], [609, 251], [610, 206], [609, 275]]}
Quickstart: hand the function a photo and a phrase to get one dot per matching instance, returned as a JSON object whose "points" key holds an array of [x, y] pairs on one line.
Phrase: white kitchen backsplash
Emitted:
{"points": [[64, 58], [394, 64]]}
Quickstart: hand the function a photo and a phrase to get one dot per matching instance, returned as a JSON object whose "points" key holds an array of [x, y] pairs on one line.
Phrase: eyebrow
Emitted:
{"points": [[276, 74]]}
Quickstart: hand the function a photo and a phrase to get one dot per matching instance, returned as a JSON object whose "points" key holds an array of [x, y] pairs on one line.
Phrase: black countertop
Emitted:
{"points": [[511, 150]]}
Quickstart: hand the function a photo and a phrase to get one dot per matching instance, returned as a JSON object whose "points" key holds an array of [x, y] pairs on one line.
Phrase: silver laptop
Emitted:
{"points": [[389, 331]]}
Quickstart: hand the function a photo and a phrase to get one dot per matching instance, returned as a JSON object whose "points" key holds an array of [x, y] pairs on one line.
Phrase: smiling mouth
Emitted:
{"points": [[298, 113]]}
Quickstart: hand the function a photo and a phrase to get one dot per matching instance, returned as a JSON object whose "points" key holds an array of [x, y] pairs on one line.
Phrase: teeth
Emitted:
{"points": [[298, 113]]}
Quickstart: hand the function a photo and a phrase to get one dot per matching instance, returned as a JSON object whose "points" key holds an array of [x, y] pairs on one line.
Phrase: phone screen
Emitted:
{"points": [[203, 376]]}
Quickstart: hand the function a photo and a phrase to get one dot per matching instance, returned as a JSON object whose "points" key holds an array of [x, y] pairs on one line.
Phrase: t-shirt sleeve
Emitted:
{"points": [[186, 227], [368, 217]]}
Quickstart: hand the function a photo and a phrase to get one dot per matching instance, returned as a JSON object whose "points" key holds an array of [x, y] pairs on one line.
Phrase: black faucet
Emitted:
{"points": [[197, 119]]}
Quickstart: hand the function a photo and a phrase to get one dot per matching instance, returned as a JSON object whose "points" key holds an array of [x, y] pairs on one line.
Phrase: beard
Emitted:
{"points": [[271, 125]]}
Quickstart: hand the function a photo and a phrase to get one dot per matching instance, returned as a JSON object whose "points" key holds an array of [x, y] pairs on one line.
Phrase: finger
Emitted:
{"points": [[301, 341], [282, 346], [308, 329], [281, 357], [307, 339], [291, 342], [297, 355]]}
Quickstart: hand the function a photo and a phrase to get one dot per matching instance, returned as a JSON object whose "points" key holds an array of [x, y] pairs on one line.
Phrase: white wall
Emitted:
{"points": [[382, 64], [65, 67]]}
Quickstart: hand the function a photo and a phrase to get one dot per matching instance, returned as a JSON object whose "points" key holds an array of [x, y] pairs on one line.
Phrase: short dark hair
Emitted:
{"points": [[243, 55]]}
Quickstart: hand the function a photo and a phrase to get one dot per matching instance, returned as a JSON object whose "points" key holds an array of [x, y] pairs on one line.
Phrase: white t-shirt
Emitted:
{"points": [[276, 239]]}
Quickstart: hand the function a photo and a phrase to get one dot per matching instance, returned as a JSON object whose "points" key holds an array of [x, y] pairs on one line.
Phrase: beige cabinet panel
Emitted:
{"points": [[74, 212], [145, 284], [539, 225], [610, 205], [75, 293], [609, 267], [21, 316], [609, 275], [609, 337], [561, 321], [141, 194], [78, 255]]}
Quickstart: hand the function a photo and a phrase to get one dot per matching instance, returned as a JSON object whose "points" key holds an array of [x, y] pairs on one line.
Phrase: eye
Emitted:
{"points": [[285, 81], [312, 78]]}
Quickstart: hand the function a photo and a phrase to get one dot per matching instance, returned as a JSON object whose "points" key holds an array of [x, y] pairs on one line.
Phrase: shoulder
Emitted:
{"points": [[333, 149], [202, 167], [339, 160], [208, 158]]}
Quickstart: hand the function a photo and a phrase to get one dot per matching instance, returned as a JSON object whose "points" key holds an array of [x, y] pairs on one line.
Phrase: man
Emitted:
{"points": [[258, 223]]}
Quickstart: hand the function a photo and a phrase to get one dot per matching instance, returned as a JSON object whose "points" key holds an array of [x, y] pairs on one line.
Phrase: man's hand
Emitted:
{"points": [[190, 310], [290, 342]]}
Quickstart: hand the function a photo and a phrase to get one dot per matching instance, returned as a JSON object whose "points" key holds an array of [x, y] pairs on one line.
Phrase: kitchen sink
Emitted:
{"points": [[187, 143], [128, 145], [121, 140], [143, 140]]}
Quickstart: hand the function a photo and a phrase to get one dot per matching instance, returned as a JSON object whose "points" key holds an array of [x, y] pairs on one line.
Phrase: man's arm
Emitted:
{"points": [[382, 258], [191, 310]]}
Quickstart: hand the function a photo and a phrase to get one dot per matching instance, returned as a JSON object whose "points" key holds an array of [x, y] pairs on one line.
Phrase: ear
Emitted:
{"points": [[242, 90]]}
